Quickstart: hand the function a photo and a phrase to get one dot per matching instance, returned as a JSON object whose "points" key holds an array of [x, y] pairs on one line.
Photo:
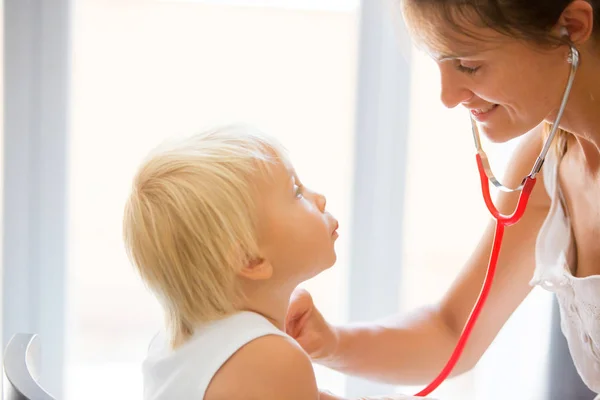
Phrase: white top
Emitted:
{"points": [[579, 298], [186, 372]]}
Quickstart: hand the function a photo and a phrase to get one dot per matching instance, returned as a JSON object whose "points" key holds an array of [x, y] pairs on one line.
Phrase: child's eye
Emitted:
{"points": [[298, 190]]}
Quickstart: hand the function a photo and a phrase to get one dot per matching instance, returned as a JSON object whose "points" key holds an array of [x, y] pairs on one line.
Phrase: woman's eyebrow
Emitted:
{"points": [[446, 57]]}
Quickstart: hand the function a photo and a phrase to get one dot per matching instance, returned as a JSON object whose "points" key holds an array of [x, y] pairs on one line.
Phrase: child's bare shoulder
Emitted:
{"points": [[270, 367]]}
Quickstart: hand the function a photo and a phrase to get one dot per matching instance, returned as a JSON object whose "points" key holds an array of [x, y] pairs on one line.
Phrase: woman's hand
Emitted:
{"points": [[307, 326]]}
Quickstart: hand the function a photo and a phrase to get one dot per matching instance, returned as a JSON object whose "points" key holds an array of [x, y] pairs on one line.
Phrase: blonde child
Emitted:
{"points": [[222, 230]]}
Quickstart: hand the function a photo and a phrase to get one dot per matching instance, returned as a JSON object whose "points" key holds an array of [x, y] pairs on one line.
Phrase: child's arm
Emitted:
{"points": [[329, 396], [270, 367], [273, 367]]}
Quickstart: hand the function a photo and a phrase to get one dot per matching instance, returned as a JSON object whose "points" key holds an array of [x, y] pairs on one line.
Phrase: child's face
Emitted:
{"points": [[296, 234]]}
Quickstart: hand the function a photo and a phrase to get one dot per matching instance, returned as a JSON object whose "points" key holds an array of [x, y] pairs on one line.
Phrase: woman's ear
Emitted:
{"points": [[577, 21]]}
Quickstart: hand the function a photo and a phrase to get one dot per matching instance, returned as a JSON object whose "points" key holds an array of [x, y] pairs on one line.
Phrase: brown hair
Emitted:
{"points": [[531, 20]]}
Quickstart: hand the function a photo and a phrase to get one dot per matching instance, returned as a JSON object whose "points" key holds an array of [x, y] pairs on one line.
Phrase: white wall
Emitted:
{"points": [[36, 70], [1, 161]]}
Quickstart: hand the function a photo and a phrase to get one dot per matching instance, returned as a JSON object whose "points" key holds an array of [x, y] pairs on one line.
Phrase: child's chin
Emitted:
{"points": [[331, 263], [322, 268]]}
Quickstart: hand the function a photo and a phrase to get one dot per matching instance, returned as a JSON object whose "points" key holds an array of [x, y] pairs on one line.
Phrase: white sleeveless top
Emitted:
{"points": [[579, 298], [186, 372]]}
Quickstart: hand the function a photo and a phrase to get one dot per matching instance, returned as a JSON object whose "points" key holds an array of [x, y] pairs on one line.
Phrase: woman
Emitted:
{"points": [[507, 61]]}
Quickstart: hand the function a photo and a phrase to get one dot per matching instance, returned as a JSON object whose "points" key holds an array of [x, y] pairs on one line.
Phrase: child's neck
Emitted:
{"points": [[269, 302]]}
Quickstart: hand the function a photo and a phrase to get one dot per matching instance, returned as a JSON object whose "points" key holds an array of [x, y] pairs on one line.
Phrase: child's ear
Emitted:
{"points": [[257, 270]]}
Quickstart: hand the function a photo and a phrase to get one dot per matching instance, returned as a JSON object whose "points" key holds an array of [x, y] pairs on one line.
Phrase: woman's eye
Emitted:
{"points": [[466, 69]]}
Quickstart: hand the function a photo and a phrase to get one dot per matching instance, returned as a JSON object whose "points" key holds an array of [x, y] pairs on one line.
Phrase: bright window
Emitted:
{"points": [[147, 70]]}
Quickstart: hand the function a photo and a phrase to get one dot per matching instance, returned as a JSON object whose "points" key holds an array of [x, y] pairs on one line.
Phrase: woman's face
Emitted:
{"points": [[508, 85]]}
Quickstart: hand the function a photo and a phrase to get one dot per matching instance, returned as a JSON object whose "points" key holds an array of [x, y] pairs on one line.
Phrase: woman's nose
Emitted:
{"points": [[453, 91]]}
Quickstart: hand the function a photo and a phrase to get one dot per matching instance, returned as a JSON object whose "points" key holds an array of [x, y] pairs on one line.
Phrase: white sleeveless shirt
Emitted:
{"points": [[186, 372], [579, 298]]}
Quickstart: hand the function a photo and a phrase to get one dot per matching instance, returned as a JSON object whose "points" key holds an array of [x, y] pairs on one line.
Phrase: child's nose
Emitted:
{"points": [[321, 201]]}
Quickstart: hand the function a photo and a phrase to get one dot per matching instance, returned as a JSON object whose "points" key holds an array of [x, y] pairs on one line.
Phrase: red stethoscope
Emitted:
{"points": [[502, 221]]}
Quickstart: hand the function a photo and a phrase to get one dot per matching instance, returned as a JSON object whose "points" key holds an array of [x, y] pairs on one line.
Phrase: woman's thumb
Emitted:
{"points": [[300, 304]]}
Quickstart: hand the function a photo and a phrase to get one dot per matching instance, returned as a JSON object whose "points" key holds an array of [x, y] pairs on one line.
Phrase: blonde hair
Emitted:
{"points": [[190, 223], [559, 143]]}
